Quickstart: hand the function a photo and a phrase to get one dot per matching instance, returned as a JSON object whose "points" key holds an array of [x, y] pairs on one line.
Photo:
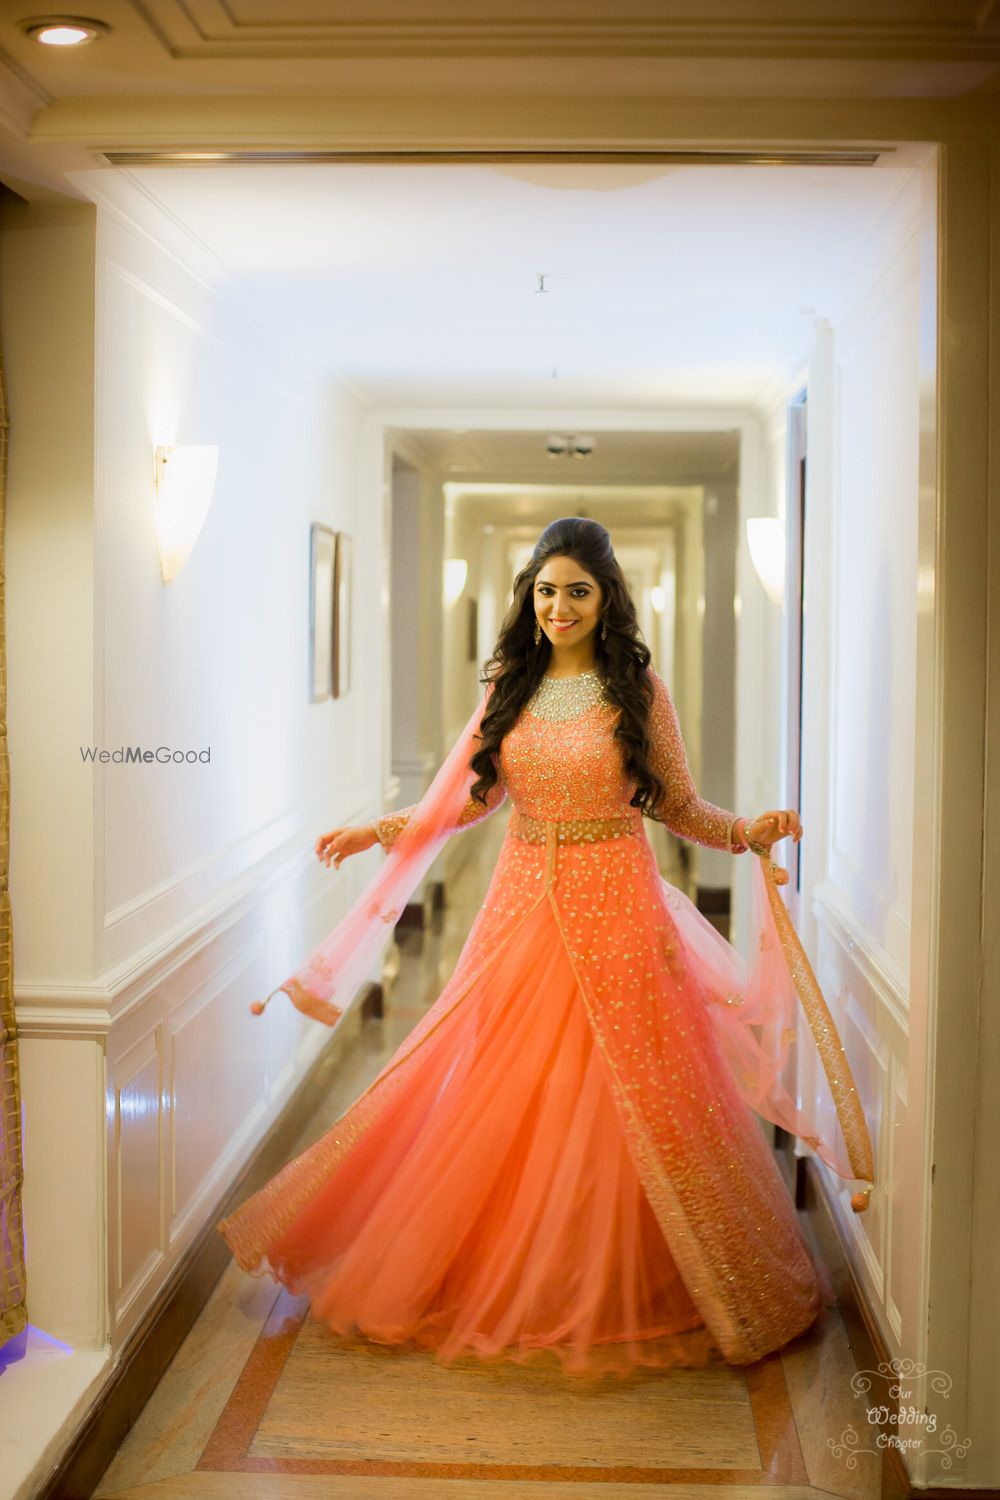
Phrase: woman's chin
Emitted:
{"points": [[567, 637]]}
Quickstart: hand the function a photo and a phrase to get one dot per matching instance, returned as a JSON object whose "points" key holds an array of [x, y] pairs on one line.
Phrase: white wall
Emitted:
{"points": [[717, 782], [860, 653], [859, 719], [461, 538], [152, 904], [47, 292], [415, 658]]}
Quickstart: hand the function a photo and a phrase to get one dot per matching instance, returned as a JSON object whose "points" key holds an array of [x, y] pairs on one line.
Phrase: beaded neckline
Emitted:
{"points": [[558, 698]]}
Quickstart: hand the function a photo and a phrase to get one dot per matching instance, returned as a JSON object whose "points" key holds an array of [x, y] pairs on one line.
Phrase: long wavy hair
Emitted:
{"points": [[517, 664]]}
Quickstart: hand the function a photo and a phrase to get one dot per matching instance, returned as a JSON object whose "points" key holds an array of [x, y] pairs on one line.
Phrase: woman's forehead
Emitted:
{"points": [[564, 570]]}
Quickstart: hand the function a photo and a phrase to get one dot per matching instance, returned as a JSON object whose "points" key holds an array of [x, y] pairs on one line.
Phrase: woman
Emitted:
{"points": [[560, 1159]]}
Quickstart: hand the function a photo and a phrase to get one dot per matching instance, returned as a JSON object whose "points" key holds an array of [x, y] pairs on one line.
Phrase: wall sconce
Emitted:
{"points": [[456, 571], [185, 481], [766, 538]]}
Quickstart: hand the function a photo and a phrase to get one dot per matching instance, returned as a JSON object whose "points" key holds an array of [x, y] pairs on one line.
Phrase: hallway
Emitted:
{"points": [[313, 319], [262, 1402]]}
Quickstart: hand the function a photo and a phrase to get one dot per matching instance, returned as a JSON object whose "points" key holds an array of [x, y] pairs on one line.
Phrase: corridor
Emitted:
{"points": [[315, 320]]}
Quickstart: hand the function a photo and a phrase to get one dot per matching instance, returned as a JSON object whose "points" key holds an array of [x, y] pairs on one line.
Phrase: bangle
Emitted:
{"points": [[744, 843]]}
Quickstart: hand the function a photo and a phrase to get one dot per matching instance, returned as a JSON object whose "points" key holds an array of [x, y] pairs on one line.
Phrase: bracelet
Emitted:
{"points": [[744, 844]]}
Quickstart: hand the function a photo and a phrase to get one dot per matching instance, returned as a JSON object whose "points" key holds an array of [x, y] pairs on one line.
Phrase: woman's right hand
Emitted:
{"points": [[340, 842]]}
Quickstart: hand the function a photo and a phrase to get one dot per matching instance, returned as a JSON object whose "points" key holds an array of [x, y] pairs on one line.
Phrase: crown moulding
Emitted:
{"points": [[210, 28]]}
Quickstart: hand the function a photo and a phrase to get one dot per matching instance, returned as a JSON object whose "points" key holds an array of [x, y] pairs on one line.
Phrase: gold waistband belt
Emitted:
{"points": [[569, 830]]}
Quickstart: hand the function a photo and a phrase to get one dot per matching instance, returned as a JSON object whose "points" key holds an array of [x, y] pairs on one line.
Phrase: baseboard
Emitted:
{"points": [[863, 1331], [145, 1357]]}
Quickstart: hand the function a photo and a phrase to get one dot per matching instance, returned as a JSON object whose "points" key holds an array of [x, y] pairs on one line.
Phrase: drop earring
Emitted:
{"points": [[538, 632], [604, 630]]}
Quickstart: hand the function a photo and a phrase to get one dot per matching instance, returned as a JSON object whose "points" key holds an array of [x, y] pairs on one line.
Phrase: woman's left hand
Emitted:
{"points": [[777, 824]]}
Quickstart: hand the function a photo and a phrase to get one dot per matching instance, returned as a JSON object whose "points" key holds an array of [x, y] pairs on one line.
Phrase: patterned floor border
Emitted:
{"points": [[228, 1447]]}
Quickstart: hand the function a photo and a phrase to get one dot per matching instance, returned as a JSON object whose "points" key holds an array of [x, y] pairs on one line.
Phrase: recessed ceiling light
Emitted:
{"points": [[64, 31]]}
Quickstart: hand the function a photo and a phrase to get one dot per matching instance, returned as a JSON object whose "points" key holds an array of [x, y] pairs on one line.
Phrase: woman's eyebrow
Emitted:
{"points": [[580, 582]]}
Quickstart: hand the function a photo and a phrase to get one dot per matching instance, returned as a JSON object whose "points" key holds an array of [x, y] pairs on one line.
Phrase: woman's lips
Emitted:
{"points": [[557, 625]]}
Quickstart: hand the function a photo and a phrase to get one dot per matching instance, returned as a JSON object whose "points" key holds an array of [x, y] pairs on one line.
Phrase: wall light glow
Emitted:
{"points": [[766, 539], [185, 482], [456, 570]]}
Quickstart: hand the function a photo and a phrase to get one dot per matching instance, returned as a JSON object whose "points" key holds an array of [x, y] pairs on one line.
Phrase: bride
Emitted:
{"points": [[564, 1158]]}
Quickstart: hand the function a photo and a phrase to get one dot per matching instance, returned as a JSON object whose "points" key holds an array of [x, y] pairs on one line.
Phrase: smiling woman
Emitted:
{"points": [[561, 1159]]}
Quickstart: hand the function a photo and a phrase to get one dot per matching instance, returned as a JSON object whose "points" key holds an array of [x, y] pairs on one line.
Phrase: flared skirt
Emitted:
{"points": [[490, 1207]]}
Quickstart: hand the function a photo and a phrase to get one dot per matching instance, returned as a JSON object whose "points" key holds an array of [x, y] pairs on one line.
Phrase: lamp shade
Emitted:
{"points": [[456, 571], [185, 482], [766, 539]]}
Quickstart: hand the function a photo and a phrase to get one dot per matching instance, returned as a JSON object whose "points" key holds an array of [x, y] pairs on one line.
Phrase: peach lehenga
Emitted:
{"points": [[563, 1157]]}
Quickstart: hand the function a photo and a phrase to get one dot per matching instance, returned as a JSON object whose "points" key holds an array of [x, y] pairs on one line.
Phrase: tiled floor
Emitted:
{"points": [[261, 1402]]}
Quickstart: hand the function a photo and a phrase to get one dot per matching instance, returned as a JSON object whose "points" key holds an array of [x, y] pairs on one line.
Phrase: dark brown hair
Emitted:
{"points": [[622, 659]]}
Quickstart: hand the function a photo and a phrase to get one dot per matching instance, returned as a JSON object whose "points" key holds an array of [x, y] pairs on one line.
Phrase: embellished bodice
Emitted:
{"points": [[558, 699], [561, 759], [561, 762]]}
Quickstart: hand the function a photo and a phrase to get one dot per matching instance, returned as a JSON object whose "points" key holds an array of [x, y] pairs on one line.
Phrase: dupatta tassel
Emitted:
{"points": [[309, 1004]]}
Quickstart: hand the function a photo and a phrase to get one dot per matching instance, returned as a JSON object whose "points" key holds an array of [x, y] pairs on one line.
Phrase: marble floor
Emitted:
{"points": [[260, 1402]]}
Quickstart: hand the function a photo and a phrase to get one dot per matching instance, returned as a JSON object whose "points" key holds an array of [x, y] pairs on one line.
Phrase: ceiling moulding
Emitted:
{"points": [[848, 156], [200, 29], [338, 122]]}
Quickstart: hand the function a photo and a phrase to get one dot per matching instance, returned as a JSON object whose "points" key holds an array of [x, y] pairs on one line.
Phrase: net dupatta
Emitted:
{"points": [[760, 1004], [325, 985], [782, 980]]}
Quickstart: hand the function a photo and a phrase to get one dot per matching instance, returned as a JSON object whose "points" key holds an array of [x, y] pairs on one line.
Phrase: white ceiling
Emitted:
{"points": [[687, 286], [633, 459]]}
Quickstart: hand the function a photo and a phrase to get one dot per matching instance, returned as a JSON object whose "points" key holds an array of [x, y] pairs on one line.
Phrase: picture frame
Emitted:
{"points": [[342, 596], [472, 631], [322, 567]]}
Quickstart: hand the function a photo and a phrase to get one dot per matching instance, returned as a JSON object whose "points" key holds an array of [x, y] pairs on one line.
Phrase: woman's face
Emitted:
{"points": [[567, 605]]}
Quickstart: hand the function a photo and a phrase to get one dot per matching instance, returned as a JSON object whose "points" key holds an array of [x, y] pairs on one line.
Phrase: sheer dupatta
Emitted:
{"points": [[329, 979], [756, 1006]]}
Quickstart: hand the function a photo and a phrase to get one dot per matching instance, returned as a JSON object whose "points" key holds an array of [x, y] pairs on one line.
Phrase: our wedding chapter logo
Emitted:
{"points": [[899, 1423], [135, 755]]}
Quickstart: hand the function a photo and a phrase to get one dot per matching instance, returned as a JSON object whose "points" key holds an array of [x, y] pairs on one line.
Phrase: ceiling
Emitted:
{"points": [[680, 286], [281, 74], [619, 459], [206, 46], [642, 509], [688, 286]]}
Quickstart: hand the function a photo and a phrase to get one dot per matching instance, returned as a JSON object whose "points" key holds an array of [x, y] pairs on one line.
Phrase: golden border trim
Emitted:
{"points": [[846, 1099]]}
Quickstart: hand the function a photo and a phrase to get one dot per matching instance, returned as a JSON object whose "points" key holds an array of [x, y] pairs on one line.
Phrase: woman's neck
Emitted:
{"points": [[558, 669]]}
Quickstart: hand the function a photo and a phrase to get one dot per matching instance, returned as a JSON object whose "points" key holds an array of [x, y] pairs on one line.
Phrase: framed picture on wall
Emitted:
{"points": [[322, 563], [472, 631], [342, 615]]}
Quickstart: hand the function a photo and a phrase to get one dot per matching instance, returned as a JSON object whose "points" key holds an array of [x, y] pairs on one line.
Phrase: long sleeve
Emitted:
{"points": [[389, 827], [681, 809]]}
